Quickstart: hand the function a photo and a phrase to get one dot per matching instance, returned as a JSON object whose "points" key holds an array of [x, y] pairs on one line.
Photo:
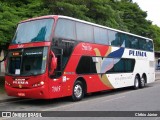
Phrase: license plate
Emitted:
{"points": [[21, 94]]}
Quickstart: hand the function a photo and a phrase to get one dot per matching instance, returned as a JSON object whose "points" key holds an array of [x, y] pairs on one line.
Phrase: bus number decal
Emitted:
{"points": [[56, 88]]}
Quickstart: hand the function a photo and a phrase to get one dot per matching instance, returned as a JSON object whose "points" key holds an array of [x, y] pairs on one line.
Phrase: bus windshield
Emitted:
{"points": [[33, 31], [30, 62]]}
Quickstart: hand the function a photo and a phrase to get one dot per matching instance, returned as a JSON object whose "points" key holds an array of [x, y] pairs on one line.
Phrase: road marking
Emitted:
{"points": [[113, 99], [84, 102], [96, 100]]}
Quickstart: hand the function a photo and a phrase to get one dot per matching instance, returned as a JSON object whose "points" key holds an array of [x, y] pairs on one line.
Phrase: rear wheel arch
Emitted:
{"points": [[138, 75]]}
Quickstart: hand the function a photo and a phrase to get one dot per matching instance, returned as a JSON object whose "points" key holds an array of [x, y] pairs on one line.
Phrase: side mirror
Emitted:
{"points": [[53, 63]]}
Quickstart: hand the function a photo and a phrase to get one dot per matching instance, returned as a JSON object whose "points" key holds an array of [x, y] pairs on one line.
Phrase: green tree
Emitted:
{"points": [[11, 12], [120, 14], [72, 8], [134, 18], [156, 37], [102, 12], [97, 11]]}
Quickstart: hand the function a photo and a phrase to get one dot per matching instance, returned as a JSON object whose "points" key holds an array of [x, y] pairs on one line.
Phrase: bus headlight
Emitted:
{"points": [[38, 84], [42, 83]]}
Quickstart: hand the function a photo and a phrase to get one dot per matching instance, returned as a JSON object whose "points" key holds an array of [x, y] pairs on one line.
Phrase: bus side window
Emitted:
{"points": [[119, 66], [122, 39], [86, 66], [100, 36], [134, 43], [129, 65], [65, 29], [149, 46], [84, 32], [114, 38], [128, 41], [142, 44]]}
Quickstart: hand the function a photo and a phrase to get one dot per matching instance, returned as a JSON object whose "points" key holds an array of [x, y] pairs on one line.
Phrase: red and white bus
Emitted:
{"points": [[56, 56]]}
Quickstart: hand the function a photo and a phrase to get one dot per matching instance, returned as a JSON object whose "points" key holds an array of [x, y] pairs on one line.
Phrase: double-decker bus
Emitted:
{"points": [[56, 56]]}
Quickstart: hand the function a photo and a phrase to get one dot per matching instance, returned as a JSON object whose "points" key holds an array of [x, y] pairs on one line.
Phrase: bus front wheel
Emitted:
{"points": [[78, 91]]}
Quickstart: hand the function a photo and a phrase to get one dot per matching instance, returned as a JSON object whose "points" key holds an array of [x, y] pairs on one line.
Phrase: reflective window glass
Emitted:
{"points": [[65, 29], [100, 35], [84, 32]]}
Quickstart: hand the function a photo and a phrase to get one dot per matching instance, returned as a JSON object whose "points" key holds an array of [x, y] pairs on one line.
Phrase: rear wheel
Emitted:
{"points": [[78, 91], [136, 83], [142, 82]]}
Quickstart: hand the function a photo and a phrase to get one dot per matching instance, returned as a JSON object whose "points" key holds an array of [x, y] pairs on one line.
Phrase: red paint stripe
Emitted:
{"points": [[28, 45]]}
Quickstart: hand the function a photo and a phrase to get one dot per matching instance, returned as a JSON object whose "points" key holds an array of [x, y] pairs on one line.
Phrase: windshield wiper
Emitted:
{"points": [[29, 73]]}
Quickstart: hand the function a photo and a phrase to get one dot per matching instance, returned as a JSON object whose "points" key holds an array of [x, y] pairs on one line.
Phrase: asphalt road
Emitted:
{"points": [[126, 99]]}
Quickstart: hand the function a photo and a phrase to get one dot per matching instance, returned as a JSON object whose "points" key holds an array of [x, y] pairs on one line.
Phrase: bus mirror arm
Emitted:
{"points": [[53, 63]]}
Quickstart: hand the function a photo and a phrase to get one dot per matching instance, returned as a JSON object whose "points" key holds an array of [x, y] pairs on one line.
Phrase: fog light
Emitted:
{"points": [[41, 93]]}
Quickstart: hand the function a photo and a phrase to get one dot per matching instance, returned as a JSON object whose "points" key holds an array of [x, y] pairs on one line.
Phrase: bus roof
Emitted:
{"points": [[82, 21]]}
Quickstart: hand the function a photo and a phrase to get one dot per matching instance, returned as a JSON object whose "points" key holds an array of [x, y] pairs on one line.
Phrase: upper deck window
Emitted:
{"points": [[114, 38], [33, 31], [149, 45], [69, 29], [100, 35], [84, 32], [65, 29]]}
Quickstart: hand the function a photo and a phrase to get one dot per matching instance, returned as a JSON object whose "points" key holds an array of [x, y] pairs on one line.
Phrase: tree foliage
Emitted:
{"points": [[156, 35], [11, 12], [120, 14]]}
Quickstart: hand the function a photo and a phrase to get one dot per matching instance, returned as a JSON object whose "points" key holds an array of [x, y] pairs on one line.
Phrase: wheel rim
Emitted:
{"points": [[78, 91]]}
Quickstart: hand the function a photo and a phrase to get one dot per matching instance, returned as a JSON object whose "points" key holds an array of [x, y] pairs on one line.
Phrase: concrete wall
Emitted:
{"points": [[2, 67]]}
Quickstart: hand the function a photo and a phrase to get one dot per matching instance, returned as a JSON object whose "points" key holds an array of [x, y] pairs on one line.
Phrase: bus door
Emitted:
{"points": [[56, 86], [59, 55]]}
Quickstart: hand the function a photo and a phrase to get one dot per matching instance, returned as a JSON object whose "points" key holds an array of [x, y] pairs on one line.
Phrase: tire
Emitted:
{"points": [[136, 83], [78, 91], [142, 82]]}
